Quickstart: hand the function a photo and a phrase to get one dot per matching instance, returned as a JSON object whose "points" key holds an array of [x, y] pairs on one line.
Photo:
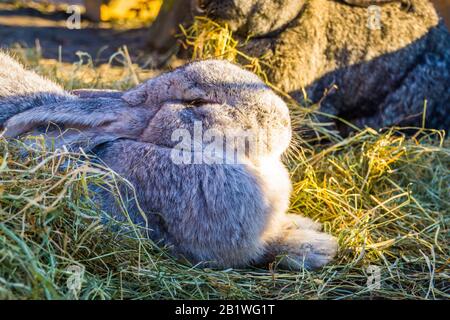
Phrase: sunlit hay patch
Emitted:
{"points": [[386, 197], [208, 39], [49, 223]]}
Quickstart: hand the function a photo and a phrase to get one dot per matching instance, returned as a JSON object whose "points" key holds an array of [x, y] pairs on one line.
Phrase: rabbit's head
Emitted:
{"points": [[217, 98], [255, 17], [205, 103]]}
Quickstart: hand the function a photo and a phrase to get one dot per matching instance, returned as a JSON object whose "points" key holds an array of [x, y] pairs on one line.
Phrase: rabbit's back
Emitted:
{"points": [[331, 36]]}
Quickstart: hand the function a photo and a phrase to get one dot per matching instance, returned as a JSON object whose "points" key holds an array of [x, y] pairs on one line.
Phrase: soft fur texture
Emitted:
{"points": [[224, 215], [21, 90], [383, 77]]}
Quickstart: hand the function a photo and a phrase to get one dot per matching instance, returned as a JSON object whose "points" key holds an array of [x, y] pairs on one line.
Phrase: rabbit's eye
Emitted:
{"points": [[197, 102]]}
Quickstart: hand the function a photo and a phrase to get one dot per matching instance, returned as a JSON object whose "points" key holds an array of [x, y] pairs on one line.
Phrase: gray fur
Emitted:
{"points": [[222, 215], [21, 89], [383, 77], [97, 93]]}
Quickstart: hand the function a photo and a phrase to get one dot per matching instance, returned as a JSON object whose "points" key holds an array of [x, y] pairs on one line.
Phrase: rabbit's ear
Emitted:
{"points": [[137, 95], [80, 122]]}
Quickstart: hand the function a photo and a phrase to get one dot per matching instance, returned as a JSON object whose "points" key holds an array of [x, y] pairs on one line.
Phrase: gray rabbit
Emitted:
{"points": [[219, 213], [374, 67]]}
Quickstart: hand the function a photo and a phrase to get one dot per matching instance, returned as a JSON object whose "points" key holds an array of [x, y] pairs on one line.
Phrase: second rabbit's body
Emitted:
{"points": [[374, 66]]}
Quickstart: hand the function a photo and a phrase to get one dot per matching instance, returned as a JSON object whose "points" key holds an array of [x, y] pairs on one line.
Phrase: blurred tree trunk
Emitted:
{"points": [[443, 8], [93, 9], [161, 35]]}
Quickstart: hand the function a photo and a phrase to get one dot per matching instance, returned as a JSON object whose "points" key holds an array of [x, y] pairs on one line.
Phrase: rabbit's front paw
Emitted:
{"points": [[295, 221], [308, 248]]}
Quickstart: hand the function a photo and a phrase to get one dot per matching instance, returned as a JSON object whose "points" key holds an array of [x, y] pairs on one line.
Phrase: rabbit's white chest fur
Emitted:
{"points": [[277, 187], [277, 180]]}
